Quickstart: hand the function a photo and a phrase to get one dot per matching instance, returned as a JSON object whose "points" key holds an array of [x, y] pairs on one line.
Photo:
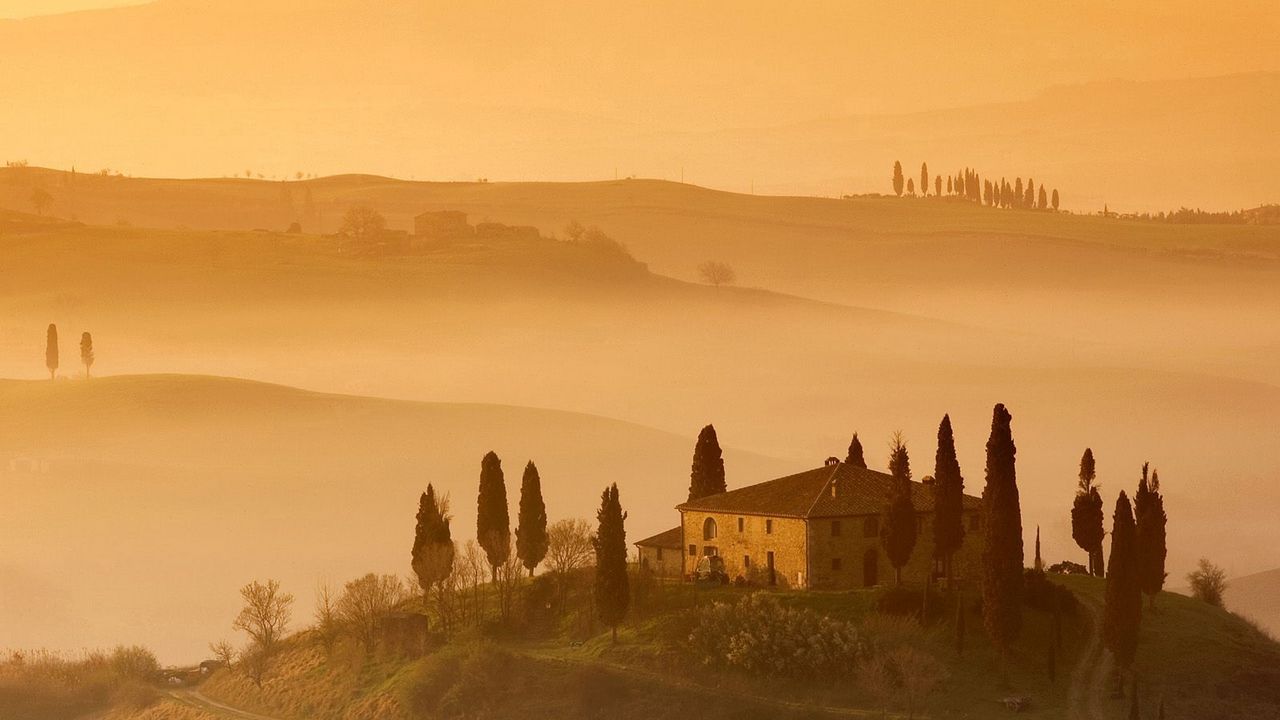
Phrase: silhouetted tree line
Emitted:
{"points": [[1263, 215], [52, 354], [967, 184]]}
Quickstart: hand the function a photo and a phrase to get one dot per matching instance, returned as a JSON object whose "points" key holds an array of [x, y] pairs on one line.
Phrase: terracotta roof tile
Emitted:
{"points": [[665, 539], [858, 491]]}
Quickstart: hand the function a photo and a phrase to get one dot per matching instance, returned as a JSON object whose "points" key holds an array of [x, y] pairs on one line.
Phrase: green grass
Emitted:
{"points": [[1202, 661]]}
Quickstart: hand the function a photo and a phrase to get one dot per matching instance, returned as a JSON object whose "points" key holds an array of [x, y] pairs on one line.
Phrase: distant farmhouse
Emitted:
{"points": [[819, 529], [444, 226]]}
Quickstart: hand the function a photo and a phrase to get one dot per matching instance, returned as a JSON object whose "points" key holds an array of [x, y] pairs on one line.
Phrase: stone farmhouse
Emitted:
{"points": [[819, 529]]}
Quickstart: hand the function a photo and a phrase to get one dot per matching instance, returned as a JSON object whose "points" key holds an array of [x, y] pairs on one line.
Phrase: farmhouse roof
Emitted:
{"points": [[835, 490], [665, 539]]}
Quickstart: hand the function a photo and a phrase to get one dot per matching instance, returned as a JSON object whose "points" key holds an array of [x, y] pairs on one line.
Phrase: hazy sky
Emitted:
{"points": [[28, 8]]}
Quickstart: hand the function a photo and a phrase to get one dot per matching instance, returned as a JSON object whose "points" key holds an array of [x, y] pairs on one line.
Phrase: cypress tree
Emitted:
{"points": [[897, 178], [433, 551], [1151, 519], [1122, 613], [707, 476], [51, 350], [1086, 514], [86, 352], [948, 502], [1002, 537], [988, 195], [898, 528], [531, 533], [1054, 202], [911, 186], [924, 179], [937, 186], [612, 588], [950, 185], [1017, 193], [1039, 565], [854, 457], [1043, 204], [493, 523], [1029, 200]]}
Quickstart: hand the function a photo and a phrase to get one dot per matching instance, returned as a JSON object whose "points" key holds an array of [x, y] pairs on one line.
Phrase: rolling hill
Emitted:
{"points": [[835, 94], [113, 488], [1257, 597]]}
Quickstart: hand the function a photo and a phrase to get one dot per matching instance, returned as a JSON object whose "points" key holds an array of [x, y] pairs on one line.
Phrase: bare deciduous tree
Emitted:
{"points": [[224, 652], [366, 600], [717, 273], [266, 613], [1208, 582], [254, 661], [362, 223], [328, 626]]}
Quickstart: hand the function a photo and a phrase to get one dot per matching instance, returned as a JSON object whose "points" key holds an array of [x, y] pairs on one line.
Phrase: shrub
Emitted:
{"points": [[760, 636], [1066, 567], [1041, 593]]}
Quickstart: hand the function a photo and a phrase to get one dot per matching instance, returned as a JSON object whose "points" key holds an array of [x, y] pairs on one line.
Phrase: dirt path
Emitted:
{"points": [[1086, 700], [196, 699]]}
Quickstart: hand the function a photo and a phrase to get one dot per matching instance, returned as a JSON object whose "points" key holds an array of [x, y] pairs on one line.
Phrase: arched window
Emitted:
{"points": [[709, 529]]}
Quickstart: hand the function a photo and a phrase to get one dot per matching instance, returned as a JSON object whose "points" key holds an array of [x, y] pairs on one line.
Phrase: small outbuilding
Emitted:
{"points": [[661, 553]]}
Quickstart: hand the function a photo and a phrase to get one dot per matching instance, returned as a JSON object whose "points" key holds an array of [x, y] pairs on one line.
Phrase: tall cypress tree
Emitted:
{"points": [[898, 528], [897, 178], [924, 179], [433, 551], [1002, 537], [531, 533], [1151, 520], [707, 476], [493, 523], [948, 498], [51, 350], [1122, 614], [1043, 203], [854, 457], [86, 352], [1054, 201], [1086, 514], [612, 588]]}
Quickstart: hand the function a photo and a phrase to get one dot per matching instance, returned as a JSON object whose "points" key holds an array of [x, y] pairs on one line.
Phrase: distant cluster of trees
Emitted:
{"points": [[969, 185], [52, 354], [1263, 215]]}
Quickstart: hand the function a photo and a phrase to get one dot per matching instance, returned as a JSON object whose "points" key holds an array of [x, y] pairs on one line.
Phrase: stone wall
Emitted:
{"points": [[839, 557], [746, 551]]}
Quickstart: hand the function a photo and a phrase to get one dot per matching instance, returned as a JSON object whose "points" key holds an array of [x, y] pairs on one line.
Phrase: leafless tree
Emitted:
{"points": [[328, 626], [568, 549], [254, 662], [41, 198], [224, 652], [366, 600], [266, 613], [574, 230], [508, 581], [1208, 582], [717, 273], [362, 223]]}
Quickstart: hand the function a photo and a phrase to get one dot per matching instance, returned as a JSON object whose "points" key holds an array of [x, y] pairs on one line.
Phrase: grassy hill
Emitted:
{"points": [[201, 484]]}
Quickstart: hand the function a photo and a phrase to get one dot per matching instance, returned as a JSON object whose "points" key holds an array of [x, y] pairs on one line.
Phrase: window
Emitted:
{"points": [[693, 551], [768, 526], [836, 564], [746, 562], [835, 528], [742, 523], [871, 527], [709, 529]]}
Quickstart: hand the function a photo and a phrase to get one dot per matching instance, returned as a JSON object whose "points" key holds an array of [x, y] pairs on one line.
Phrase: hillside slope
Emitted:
{"points": [[200, 484], [1257, 597]]}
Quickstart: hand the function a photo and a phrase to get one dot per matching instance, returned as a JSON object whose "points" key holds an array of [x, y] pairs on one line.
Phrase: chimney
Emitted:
{"points": [[926, 480], [832, 461]]}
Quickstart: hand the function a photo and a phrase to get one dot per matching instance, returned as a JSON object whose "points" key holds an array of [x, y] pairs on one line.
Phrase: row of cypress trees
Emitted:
{"points": [[969, 185], [434, 550]]}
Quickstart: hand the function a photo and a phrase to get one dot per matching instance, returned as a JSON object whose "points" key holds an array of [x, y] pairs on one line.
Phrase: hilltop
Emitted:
{"points": [[203, 483], [1257, 597]]}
